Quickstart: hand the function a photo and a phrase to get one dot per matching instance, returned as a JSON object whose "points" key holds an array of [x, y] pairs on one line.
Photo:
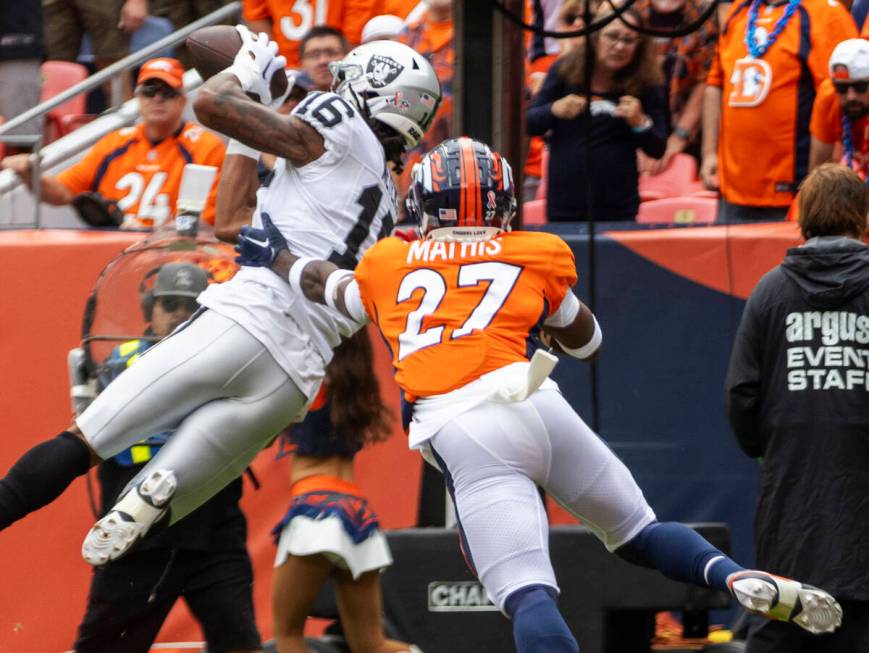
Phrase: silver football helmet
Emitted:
{"points": [[396, 84]]}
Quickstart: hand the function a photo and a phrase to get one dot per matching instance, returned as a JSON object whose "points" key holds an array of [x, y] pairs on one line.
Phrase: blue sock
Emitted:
{"points": [[680, 554], [538, 626]]}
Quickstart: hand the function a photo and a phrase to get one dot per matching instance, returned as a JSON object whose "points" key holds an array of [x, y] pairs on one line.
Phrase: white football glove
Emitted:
{"points": [[255, 63]]}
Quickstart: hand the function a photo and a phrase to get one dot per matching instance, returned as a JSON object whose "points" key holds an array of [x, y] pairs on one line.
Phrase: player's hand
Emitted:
{"points": [[252, 246], [259, 247], [568, 107], [255, 63]]}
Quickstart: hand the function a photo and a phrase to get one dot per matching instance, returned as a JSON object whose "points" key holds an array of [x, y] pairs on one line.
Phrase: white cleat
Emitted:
{"points": [[131, 518], [784, 599]]}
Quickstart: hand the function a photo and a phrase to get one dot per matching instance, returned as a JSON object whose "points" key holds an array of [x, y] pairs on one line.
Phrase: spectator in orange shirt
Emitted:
{"points": [[758, 102], [140, 167], [839, 117], [288, 22], [318, 48], [432, 36]]}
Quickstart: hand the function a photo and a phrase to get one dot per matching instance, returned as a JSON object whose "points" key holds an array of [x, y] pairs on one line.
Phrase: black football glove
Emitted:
{"points": [[97, 211]]}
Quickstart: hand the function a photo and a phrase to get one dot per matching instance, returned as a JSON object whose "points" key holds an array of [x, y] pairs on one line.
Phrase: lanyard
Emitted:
{"points": [[848, 142], [757, 51]]}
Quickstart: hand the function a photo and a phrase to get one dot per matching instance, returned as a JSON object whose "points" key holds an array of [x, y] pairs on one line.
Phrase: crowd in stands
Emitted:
{"points": [[750, 94]]}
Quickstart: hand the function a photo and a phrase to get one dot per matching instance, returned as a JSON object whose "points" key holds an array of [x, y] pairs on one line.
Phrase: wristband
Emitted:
{"points": [[237, 147], [353, 302], [332, 281], [295, 275], [682, 133], [588, 348], [245, 76], [645, 126]]}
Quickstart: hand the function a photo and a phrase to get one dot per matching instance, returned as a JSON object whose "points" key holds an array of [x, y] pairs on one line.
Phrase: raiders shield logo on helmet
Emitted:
{"points": [[382, 70]]}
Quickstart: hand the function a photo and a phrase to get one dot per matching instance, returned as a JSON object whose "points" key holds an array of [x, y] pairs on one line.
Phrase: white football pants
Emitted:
{"points": [[213, 382], [496, 454]]}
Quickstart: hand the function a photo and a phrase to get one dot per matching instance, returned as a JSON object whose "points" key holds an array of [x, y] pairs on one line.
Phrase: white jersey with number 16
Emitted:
{"points": [[333, 208]]}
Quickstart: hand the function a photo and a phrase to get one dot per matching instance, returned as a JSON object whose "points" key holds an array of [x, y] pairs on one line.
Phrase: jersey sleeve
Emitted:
{"points": [[80, 176], [561, 276], [255, 10], [833, 26], [334, 119], [826, 124], [714, 77]]}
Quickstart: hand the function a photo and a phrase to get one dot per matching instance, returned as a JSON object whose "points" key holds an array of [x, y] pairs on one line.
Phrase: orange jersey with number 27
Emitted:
{"points": [[452, 311]]}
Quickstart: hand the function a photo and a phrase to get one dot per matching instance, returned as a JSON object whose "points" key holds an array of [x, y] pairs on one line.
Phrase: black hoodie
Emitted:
{"points": [[797, 394]]}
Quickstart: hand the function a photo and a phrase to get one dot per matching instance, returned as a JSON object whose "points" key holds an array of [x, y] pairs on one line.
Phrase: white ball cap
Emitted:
{"points": [[850, 60], [385, 26]]}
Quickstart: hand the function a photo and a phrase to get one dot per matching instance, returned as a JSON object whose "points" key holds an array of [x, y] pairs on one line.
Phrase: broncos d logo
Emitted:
{"points": [[382, 70]]}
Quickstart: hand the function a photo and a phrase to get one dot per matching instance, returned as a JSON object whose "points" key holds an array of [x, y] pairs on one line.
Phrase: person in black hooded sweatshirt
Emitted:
{"points": [[797, 395]]}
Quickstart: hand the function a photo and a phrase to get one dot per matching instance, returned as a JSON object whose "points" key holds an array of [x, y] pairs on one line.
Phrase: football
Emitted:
{"points": [[213, 49]]}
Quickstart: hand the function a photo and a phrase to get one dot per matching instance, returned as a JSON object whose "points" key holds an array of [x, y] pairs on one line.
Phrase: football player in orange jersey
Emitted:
{"points": [[139, 168], [466, 301]]}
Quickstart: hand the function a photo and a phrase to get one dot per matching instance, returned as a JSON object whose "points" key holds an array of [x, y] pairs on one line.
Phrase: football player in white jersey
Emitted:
{"points": [[497, 435], [250, 361]]}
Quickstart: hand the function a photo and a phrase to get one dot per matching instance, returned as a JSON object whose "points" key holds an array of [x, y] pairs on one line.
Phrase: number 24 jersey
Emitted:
{"points": [[451, 312]]}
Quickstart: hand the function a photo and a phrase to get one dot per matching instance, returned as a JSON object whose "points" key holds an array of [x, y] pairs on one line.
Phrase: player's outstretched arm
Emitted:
{"points": [[581, 336], [222, 105], [320, 281]]}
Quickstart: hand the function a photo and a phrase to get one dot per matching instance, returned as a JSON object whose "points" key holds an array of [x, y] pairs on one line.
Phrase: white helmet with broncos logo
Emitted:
{"points": [[396, 84]]}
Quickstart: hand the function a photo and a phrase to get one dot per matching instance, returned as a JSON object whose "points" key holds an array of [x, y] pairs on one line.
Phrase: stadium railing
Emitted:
{"points": [[16, 202]]}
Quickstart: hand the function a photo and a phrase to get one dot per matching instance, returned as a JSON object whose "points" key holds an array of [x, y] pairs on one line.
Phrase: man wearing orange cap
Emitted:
{"points": [[138, 168], [841, 111]]}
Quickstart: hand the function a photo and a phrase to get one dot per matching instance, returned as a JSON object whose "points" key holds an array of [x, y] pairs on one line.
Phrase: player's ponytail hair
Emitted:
{"points": [[357, 413]]}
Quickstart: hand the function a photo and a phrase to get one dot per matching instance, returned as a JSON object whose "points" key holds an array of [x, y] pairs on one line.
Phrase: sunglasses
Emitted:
{"points": [[570, 19], [172, 303], [153, 91], [859, 87]]}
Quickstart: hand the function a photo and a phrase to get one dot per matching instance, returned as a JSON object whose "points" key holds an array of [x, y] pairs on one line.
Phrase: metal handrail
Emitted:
{"points": [[95, 80], [62, 149]]}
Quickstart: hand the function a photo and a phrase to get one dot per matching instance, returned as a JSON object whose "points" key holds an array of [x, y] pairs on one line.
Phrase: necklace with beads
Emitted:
{"points": [[848, 143], [754, 49]]}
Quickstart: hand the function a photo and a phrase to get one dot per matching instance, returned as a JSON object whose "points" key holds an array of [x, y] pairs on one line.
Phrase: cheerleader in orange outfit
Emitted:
{"points": [[330, 530]]}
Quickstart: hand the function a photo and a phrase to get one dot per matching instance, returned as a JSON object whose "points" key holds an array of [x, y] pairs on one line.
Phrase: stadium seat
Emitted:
{"points": [[677, 179], [678, 210], [57, 76], [534, 212]]}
